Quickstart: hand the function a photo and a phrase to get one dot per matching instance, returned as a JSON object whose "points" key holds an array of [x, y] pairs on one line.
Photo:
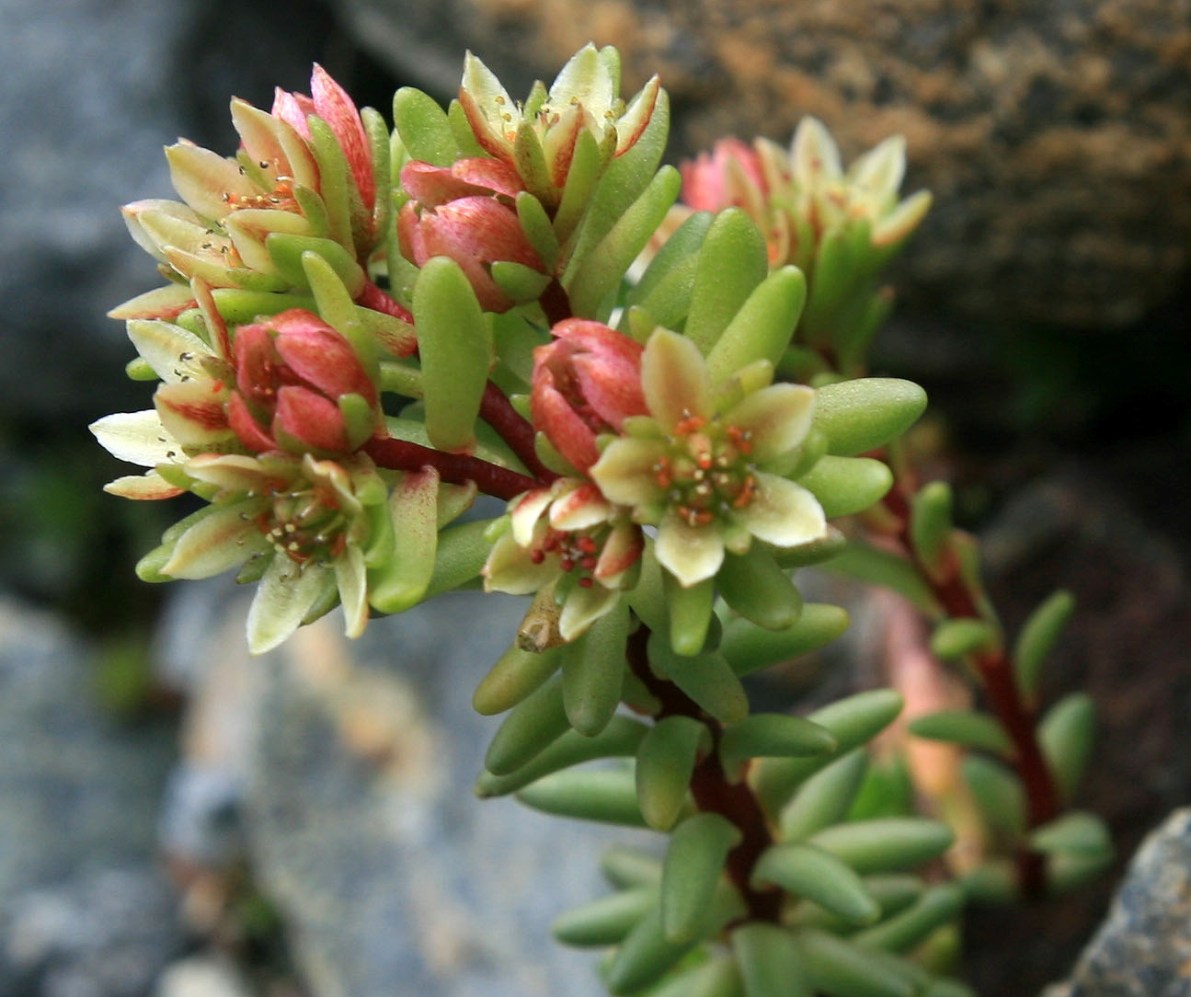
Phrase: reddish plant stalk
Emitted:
{"points": [[456, 469], [996, 671], [711, 788], [498, 412]]}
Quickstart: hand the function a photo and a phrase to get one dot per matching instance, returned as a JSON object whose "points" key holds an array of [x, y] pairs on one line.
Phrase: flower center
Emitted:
{"points": [[306, 526], [577, 553], [706, 472]]}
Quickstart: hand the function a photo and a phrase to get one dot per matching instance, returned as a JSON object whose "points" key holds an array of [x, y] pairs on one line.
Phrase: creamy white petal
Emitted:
{"points": [[783, 513], [673, 378], [174, 353], [689, 553], [583, 607], [147, 486], [351, 578], [284, 597], [137, 437], [626, 471], [776, 419]]}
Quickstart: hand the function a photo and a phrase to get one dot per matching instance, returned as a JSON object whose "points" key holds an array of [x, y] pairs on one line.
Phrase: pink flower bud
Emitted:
{"points": [[466, 212], [586, 382], [720, 179], [330, 102], [291, 372]]}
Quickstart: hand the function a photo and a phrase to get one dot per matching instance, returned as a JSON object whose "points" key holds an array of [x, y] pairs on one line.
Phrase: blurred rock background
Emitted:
{"points": [[172, 815]]}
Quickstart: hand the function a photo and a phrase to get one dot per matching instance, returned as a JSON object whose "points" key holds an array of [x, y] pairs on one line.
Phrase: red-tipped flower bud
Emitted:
{"points": [[586, 382]]}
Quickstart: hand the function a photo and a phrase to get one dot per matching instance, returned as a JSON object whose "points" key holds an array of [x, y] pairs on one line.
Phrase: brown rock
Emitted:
{"points": [[1056, 137]]}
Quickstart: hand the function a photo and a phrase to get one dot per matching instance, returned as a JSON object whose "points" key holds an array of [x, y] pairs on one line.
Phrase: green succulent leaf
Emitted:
{"points": [[845, 486], [606, 796], [769, 961], [605, 921], [885, 844], [754, 586], [749, 648], [530, 727], [820, 877], [1066, 736], [733, 261], [620, 739], [424, 128], [665, 761], [692, 869], [966, 728], [1037, 637], [825, 798], [866, 413]]}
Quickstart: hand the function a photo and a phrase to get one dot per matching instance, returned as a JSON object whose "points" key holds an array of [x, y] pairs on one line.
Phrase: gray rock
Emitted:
{"points": [[1144, 947], [359, 817], [83, 908], [1054, 136]]}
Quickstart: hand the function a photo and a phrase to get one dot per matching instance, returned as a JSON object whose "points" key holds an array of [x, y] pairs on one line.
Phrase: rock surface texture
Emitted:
{"points": [[1055, 137], [1144, 948]]}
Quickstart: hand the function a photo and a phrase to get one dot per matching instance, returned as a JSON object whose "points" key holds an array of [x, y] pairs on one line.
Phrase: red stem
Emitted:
{"points": [[456, 469], [996, 671], [711, 788], [498, 412]]}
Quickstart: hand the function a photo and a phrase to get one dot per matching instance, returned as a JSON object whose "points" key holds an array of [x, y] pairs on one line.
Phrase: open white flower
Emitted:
{"points": [[696, 466]]}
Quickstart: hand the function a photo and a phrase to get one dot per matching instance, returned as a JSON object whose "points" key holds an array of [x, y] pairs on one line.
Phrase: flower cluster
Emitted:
{"points": [[800, 194]]}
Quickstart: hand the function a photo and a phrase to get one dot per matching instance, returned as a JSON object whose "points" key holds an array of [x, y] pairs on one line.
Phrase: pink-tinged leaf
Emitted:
{"points": [[621, 551], [525, 512], [557, 418], [579, 509], [310, 421], [161, 303], [217, 542], [632, 124], [293, 109], [336, 108], [248, 431], [142, 487], [193, 413]]}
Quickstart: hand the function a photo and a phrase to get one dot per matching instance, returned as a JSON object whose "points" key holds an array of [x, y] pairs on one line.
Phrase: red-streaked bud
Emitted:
{"points": [[293, 375], [330, 102], [586, 382], [466, 212]]}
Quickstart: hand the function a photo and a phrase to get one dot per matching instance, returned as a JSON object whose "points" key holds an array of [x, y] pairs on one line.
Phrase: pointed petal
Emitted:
{"points": [[205, 180], [175, 354], [621, 551], [137, 437], [510, 568], [579, 509], [689, 553], [351, 577], [217, 542], [233, 473], [148, 486], [161, 303], [637, 116], [783, 513], [193, 413], [286, 594], [525, 513], [674, 378], [490, 110], [627, 471], [583, 607], [337, 109], [814, 154], [776, 418]]}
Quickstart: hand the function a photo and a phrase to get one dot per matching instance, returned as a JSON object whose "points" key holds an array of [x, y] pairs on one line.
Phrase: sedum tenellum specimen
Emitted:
{"points": [[363, 329]]}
